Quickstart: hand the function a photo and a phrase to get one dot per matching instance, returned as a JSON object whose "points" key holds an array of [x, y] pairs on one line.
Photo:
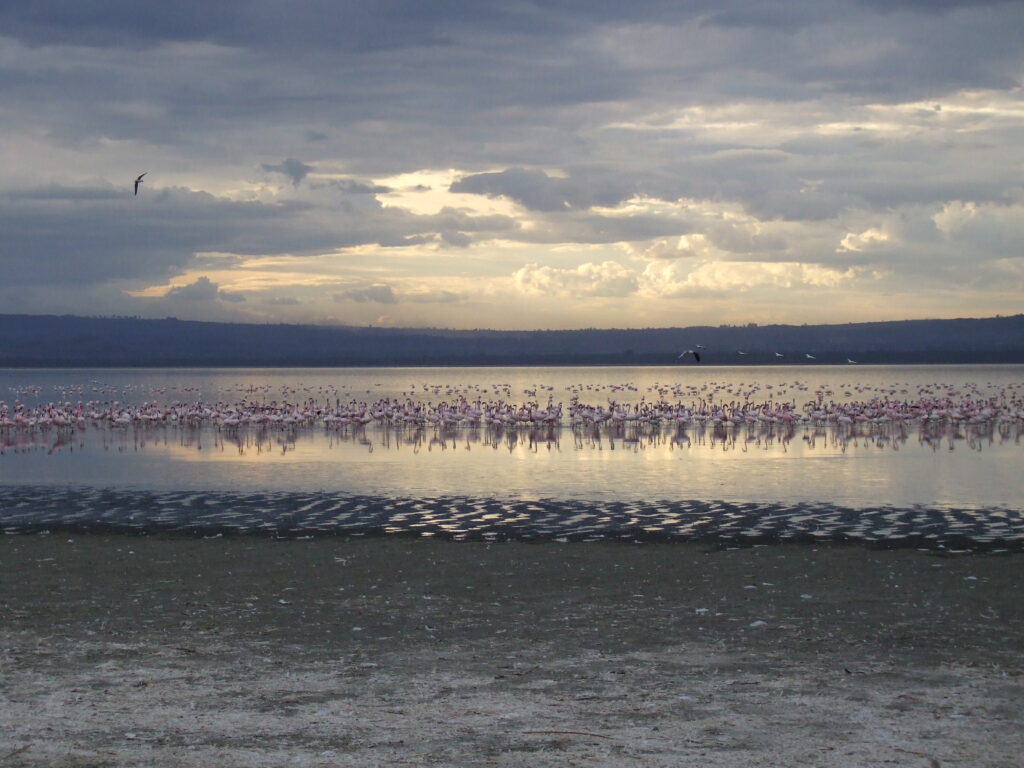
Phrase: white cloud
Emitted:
{"points": [[675, 279], [683, 247], [608, 278], [954, 216], [858, 242]]}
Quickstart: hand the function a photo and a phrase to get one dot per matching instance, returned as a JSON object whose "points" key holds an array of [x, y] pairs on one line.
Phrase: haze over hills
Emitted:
{"points": [[64, 341]]}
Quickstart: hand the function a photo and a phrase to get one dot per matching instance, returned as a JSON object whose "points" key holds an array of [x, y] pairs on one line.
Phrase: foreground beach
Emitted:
{"points": [[162, 651]]}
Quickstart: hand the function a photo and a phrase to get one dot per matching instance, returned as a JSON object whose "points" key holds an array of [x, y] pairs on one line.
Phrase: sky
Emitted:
{"points": [[513, 164]]}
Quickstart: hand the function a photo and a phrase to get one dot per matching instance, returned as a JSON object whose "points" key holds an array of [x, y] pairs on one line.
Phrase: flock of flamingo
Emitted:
{"points": [[676, 404]]}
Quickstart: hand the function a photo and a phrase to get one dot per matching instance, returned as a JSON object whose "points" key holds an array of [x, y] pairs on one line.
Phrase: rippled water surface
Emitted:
{"points": [[940, 466]]}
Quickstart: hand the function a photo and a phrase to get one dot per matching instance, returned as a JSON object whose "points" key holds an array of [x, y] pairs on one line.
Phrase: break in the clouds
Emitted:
{"points": [[513, 163]]}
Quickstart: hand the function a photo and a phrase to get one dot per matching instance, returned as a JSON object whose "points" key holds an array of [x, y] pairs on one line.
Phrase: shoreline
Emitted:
{"points": [[288, 515], [160, 650]]}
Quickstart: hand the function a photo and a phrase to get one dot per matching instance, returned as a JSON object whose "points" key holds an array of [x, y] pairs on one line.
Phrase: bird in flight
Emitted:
{"points": [[850, 362], [139, 181], [696, 355], [809, 356], [779, 354]]}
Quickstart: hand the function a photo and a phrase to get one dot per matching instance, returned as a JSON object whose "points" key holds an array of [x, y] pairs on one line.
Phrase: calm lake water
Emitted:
{"points": [[637, 467]]}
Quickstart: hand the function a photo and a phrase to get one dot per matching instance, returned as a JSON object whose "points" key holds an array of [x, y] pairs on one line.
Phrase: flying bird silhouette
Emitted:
{"points": [[139, 181], [696, 355], [809, 356]]}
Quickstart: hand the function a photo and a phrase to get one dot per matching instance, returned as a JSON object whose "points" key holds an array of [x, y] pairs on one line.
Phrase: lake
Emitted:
{"points": [[661, 463]]}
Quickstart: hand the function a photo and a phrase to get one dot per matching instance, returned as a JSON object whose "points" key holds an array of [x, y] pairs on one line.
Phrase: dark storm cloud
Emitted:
{"points": [[773, 110], [350, 25], [296, 170], [774, 16], [533, 189], [83, 235], [456, 239], [537, 191], [465, 48], [930, 5], [405, 81], [774, 183], [453, 219], [770, 184]]}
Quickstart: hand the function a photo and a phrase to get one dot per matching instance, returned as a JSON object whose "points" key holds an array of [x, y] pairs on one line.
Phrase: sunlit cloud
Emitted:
{"points": [[428, 192], [606, 279], [580, 165], [675, 279], [861, 241], [683, 247]]}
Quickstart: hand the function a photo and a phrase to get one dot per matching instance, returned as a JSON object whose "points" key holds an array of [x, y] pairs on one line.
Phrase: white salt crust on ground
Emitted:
{"points": [[176, 652]]}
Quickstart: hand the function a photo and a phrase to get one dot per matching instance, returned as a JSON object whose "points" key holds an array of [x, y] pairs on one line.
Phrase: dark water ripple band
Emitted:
{"points": [[37, 509]]}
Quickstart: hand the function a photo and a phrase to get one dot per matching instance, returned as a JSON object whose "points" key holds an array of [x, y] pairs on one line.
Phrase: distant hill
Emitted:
{"points": [[64, 341]]}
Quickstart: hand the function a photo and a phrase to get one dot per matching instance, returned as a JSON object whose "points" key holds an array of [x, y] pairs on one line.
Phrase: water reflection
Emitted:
{"points": [[902, 435], [244, 440]]}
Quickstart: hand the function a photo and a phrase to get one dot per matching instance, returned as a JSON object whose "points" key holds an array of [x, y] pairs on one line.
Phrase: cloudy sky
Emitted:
{"points": [[513, 163]]}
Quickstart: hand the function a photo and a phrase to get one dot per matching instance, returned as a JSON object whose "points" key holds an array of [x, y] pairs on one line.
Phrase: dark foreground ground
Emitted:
{"points": [[152, 651]]}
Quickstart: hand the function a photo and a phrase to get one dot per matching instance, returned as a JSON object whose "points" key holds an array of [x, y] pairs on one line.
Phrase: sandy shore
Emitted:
{"points": [[153, 651]]}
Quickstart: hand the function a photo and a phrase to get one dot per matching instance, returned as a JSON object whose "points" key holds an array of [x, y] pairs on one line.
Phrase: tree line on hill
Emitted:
{"points": [[64, 341]]}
